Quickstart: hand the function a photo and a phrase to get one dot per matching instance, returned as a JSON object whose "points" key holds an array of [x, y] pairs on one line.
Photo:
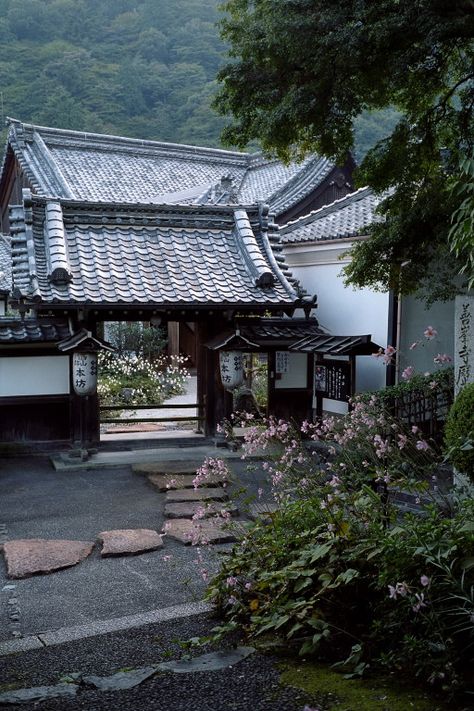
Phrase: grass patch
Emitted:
{"points": [[335, 693]]}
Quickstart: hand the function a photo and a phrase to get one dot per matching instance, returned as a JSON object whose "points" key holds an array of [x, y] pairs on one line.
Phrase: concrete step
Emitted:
{"points": [[216, 493], [188, 509], [201, 532], [164, 482]]}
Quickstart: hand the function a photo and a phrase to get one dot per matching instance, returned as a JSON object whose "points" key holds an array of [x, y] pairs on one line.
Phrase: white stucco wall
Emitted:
{"points": [[342, 310], [415, 318], [34, 375]]}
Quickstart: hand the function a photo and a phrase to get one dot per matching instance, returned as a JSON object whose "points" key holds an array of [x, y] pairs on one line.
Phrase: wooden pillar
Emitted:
{"points": [[216, 402], [85, 420]]}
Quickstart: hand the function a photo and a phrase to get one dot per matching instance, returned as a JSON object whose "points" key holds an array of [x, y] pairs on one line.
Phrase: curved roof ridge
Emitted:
{"points": [[104, 138], [327, 209]]}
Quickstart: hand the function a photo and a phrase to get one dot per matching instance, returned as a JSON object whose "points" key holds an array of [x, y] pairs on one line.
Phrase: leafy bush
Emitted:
{"points": [[131, 380], [339, 571], [459, 432], [136, 339]]}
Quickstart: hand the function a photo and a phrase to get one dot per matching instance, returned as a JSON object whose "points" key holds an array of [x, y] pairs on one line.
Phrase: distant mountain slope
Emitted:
{"points": [[140, 68]]}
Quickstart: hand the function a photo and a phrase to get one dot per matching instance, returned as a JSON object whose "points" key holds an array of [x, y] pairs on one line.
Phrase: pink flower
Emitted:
{"points": [[430, 333], [408, 373], [422, 445], [442, 358], [415, 429], [420, 602], [402, 440], [398, 589], [231, 581], [385, 355], [425, 580]]}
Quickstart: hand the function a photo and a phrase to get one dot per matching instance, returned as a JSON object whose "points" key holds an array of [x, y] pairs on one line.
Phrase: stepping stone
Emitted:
{"points": [[212, 661], [120, 680], [262, 511], [164, 482], [187, 509], [167, 467], [199, 532], [202, 494], [37, 693], [27, 557], [129, 541]]}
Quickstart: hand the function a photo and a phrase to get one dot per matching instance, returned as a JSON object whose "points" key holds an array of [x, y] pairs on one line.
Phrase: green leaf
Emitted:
{"points": [[319, 551], [302, 584]]}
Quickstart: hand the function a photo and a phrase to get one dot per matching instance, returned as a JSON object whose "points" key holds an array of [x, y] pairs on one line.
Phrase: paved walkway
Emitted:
{"points": [[40, 502], [252, 684], [189, 397]]}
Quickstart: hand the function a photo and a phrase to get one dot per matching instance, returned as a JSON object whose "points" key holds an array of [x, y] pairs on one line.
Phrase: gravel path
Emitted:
{"points": [[251, 685]]}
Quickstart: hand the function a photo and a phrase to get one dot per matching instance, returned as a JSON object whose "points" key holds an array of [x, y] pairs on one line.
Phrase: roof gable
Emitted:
{"points": [[94, 167], [343, 218], [70, 253]]}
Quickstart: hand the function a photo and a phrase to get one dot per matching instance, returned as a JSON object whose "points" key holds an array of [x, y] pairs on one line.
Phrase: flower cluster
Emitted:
{"points": [[132, 380], [417, 599]]}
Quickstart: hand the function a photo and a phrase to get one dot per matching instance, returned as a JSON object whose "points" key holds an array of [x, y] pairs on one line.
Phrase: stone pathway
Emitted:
{"points": [[193, 516]]}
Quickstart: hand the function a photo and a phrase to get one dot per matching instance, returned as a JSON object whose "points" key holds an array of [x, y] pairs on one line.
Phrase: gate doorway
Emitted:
{"points": [[148, 389]]}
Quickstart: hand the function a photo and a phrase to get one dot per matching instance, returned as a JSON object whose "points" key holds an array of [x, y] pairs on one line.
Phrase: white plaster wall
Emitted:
{"points": [[342, 310], [34, 375], [415, 317]]}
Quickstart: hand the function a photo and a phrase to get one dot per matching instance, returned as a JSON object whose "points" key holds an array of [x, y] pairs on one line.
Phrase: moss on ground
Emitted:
{"points": [[334, 693]]}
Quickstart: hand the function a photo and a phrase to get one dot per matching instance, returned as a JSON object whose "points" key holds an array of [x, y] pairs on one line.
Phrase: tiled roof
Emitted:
{"points": [[31, 331], [74, 253], [5, 265], [335, 345], [346, 217], [265, 332], [93, 167]]}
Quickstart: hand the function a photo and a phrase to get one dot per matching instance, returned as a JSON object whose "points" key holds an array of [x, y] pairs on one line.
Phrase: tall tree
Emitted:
{"points": [[302, 71]]}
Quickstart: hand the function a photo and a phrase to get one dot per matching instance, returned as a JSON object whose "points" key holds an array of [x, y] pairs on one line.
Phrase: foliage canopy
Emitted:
{"points": [[302, 71]]}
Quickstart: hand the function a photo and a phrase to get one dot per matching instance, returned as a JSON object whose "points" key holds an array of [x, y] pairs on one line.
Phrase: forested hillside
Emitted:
{"points": [[142, 68]]}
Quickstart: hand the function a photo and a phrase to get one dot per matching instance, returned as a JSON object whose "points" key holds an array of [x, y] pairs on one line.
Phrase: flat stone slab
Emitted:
{"points": [[165, 482], [120, 680], [25, 557], [187, 509], [167, 467], [129, 541], [37, 693], [206, 493], [259, 511], [189, 532], [213, 661]]}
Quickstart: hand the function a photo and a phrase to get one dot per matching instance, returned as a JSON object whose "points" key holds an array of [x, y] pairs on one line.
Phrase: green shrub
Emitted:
{"points": [[459, 433], [340, 571], [136, 339]]}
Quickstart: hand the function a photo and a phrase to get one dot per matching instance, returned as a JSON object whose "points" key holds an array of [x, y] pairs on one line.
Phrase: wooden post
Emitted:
{"points": [[217, 403]]}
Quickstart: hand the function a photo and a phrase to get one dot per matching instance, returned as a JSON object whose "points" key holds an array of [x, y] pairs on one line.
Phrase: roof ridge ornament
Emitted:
{"points": [[56, 242], [264, 277]]}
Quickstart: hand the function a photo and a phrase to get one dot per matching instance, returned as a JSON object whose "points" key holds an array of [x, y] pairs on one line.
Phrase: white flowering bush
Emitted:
{"points": [[134, 380]]}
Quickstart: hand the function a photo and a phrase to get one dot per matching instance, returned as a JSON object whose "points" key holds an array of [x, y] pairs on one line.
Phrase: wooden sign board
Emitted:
{"points": [[332, 379]]}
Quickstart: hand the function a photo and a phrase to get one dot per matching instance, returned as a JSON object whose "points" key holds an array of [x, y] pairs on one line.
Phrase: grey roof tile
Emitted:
{"points": [[31, 331], [346, 217], [163, 256], [93, 167], [5, 264]]}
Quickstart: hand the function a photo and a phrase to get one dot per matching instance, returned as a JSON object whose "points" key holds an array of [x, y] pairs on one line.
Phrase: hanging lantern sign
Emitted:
{"points": [[84, 372], [232, 369]]}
